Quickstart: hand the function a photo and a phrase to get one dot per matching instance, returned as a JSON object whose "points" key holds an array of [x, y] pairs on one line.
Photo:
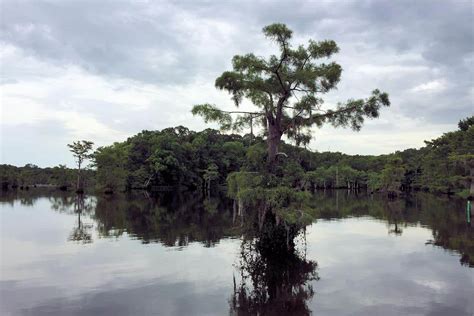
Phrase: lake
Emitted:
{"points": [[177, 254]]}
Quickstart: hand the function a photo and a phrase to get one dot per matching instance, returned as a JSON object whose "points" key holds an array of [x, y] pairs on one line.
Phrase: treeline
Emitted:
{"points": [[178, 157], [31, 175], [171, 157]]}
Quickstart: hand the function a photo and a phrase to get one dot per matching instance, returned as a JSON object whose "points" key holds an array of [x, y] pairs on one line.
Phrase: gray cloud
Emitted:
{"points": [[129, 38], [421, 52]]}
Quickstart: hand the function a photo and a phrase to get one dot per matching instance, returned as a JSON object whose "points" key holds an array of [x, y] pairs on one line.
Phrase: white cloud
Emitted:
{"points": [[81, 105], [382, 136], [431, 86]]}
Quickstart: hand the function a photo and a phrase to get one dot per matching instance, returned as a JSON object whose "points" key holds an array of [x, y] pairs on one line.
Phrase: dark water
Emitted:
{"points": [[179, 255]]}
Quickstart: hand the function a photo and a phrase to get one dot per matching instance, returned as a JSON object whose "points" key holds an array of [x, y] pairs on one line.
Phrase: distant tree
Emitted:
{"points": [[82, 151], [61, 176], [466, 123], [272, 84], [111, 167], [448, 165], [210, 174], [392, 175]]}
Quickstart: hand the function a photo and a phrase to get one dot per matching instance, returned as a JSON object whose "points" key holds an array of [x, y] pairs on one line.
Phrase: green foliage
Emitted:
{"points": [[237, 182], [29, 175], [291, 173], [448, 161], [374, 181], [179, 157], [289, 205], [285, 89], [392, 175], [211, 172], [171, 157], [341, 175], [255, 157], [81, 150], [466, 123], [211, 113], [235, 154], [252, 191], [111, 166]]}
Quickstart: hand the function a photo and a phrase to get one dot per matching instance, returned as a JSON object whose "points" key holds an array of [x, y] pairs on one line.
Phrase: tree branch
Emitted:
{"points": [[242, 112], [326, 114], [283, 57]]}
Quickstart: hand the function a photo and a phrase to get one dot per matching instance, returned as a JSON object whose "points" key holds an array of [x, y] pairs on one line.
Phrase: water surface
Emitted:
{"points": [[180, 255]]}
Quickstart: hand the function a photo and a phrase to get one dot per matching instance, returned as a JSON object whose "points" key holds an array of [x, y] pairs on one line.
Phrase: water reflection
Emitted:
{"points": [[444, 216], [275, 277], [172, 219], [95, 252], [82, 232], [179, 219]]}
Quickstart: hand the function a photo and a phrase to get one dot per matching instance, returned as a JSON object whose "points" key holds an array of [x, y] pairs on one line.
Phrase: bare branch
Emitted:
{"points": [[243, 112]]}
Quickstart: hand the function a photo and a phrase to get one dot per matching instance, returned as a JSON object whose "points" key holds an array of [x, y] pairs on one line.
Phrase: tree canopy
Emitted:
{"points": [[82, 151], [285, 89], [178, 156]]}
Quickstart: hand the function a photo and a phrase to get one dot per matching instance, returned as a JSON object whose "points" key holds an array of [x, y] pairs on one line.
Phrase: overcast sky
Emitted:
{"points": [[105, 70]]}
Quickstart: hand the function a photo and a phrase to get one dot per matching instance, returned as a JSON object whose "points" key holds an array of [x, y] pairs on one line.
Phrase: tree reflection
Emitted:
{"points": [[82, 232], [395, 216], [174, 220], [63, 203], [275, 277], [445, 217], [178, 219]]}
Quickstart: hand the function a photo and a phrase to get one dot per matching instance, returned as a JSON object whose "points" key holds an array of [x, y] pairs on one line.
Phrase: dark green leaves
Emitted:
{"points": [[285, 87], [353, 112], [249, 64], [234, 83], [81, 150], [466, 123], [211, 113], [278, 32], [322, 49]]}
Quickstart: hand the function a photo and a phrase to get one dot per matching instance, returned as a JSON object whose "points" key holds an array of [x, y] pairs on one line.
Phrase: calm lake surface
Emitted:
{"points": [[179, 255]]}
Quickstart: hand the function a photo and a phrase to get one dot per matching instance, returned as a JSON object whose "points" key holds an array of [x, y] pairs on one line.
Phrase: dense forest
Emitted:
{"points": [[180, 158]]}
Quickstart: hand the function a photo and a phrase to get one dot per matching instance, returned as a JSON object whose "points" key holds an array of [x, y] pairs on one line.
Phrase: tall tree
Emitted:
{"points": [[82, 151], [285, 88]]}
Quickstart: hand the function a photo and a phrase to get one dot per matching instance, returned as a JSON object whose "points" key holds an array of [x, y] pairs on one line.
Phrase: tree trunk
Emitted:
{"points": [[251, 129], [234, 211], [78, 186], [471, 189], [274, 137]]}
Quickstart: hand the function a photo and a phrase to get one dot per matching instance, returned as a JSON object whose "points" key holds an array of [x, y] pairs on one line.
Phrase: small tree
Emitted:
{"points": [[61, 175], [82, 152], [284, 88], [211, 174], [392, 176]]}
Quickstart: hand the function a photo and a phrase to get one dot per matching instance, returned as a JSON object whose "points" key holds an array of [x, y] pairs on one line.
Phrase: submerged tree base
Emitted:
{"points": [[275, 277]]}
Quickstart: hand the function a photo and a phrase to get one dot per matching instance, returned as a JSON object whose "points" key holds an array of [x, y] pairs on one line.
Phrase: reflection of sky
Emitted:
{"points": [[63, 277], [363, 270], [366, 271]]}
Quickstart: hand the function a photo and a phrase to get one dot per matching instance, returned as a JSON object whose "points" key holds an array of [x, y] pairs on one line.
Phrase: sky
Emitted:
{"points": [[106, 70]]}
